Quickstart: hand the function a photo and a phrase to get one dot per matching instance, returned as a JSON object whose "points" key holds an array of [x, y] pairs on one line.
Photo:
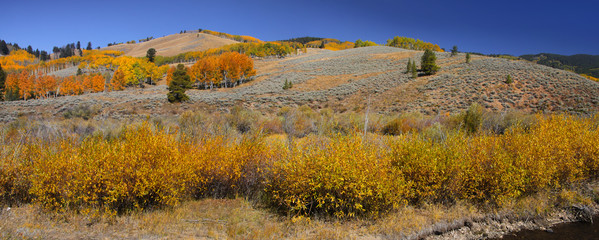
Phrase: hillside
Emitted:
{"points": [[579, 63], [346, 80], [173, 44]]}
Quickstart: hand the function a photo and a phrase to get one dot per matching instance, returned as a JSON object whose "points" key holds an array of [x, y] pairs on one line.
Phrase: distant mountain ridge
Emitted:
{"points": [[579, 63]]}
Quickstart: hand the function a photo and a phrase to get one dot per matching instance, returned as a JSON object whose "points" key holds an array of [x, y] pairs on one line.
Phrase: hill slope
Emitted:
{"points": [[173, 44], [580, 63], [345, 80]]}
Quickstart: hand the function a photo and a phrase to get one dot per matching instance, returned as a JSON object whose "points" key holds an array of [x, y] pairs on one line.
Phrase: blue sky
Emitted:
{"points": [[512, 27]]}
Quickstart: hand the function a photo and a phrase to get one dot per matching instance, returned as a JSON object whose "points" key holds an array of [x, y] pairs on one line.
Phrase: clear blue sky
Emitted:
{"points": [[513, 27]]}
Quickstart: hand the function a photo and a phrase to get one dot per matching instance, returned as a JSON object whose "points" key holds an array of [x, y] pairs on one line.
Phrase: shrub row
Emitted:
{"points": [[342, 175]]}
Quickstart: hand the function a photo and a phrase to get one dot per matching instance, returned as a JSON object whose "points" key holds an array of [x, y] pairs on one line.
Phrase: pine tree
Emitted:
{"points": [[178, 85], [4, 48], [428, 63], [409, 67], [44, 56], [78, 45], [454, 51], [508, 79], [467, 57], [151, 54], [286, 85], [414, 70], [89, 46]]}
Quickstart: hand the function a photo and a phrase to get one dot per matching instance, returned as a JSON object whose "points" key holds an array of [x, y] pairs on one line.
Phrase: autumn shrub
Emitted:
{"points": [[298, 122], [427, 167], [273, 125], [138, 170], [15, 169], [340, 174], [335, 177], [85, 112], [243, 120], [225, 168]]}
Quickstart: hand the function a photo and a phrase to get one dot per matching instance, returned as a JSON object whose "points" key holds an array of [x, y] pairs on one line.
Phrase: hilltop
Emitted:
{"points": [[172, 45], [349, 80]]}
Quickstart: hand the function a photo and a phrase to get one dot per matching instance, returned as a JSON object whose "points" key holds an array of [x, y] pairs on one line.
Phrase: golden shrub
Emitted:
{"points": [[339, 176]]}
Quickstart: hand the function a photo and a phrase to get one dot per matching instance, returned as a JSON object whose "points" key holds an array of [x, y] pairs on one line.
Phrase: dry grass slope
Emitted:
{"points": [[174, 44]]}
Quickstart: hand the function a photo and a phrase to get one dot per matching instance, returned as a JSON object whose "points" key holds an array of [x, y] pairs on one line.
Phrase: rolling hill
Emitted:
{"points": [[579, 63], [173, 44], [349, 80]]}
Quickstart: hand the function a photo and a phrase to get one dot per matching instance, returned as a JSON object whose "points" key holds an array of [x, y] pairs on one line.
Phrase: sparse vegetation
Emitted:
{"points": [[467, 57]]}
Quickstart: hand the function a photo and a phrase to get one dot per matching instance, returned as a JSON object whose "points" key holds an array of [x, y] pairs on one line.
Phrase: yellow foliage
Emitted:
{"points": [[590, 77], [342, 175], [16, 60]]}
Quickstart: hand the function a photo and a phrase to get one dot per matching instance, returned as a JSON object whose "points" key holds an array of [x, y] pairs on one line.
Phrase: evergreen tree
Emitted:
{"points": [[4, 48], [2, 80], [409, 67], [287, 85], [29, 49], [78, 45], [454, 51], [89, 46], [151, 54], [178, 85], [467, 57], [428, 63], [508, 79], [414, 70], [44, 56]]}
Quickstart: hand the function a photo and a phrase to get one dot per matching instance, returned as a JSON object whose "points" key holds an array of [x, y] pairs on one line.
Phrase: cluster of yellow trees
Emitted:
{"points": [[413, 44], [330, 44], [232, 37], [278, 49], [353, 175]]}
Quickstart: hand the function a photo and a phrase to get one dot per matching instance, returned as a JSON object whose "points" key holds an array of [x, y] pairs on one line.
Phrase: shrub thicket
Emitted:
{"points": [[336, 174]]}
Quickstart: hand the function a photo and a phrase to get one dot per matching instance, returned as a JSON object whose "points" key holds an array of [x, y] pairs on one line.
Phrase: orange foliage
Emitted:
{"points": [[118, 80], [229, 68], [169, 74]]}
